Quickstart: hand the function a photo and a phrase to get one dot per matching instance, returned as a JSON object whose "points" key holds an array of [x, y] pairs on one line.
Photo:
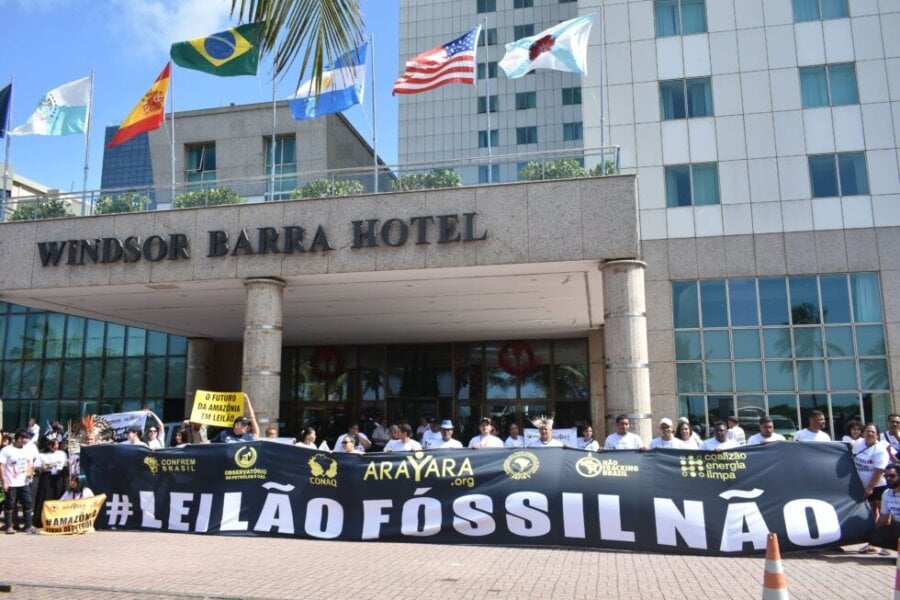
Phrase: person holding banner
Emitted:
{"points": [[446, 440], [587, 441], [404, 443], [514, 440], [666, 437], [545, 434], [77, 489], [623, 439], [17, 471], [486, 439], [720, 440], [245, 429], [307, 439], [887, 527]]}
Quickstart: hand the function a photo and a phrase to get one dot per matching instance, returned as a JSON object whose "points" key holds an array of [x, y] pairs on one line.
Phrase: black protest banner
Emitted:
{"points": [[716, 503]]}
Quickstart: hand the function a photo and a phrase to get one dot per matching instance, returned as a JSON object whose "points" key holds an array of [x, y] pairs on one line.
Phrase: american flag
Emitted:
{"points": [[453, 62]]}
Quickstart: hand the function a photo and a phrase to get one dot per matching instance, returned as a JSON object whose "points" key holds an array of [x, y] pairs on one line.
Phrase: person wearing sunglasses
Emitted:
{"points": [[887, 527]]}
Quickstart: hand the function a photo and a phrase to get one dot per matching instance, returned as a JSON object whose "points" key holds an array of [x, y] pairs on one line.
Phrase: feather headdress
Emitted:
{"points": [[102, 432], [543, 421]]}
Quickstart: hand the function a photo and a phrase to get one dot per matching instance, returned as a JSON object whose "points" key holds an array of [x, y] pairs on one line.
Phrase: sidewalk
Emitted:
{"points": [[122, 565]]}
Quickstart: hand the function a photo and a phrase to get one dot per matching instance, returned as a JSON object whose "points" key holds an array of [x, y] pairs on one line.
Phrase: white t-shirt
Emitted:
{"points": [[553, 443], [629, 441], [155, 444], [361, 436], [805, 435], [398, 446], [429, 438], [737, 434], [56, 461], [714, 444], [849, 440], [518, 442], [890, 503], [85, 493], [15, 462], [591, 446], [658, 442], [757, 439], [485, 441], [870, 458], [305, 445], [451, 443], [893, 441]]}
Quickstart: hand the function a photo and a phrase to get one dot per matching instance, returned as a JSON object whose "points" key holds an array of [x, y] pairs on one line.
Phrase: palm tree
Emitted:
{"points": [[318, 30]]}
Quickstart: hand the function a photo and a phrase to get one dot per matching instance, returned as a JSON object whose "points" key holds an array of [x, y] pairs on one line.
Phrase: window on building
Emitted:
{"points": [[285, 167], [494, 139], [781, 346], [526, 135], [523, 3], [686, 98], [522, 31], [679, 17], [571, 96], [488, 173], [491, 36], [483, 103], [819, 10], [526, 100], [841, 174], [483, 6], [572, 131], [200, 165], [828, 85], [491, 70], [692, 185]]}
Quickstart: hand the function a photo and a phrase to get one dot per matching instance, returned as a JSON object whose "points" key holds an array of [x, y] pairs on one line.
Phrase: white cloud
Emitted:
{"points": [[148, 28]]}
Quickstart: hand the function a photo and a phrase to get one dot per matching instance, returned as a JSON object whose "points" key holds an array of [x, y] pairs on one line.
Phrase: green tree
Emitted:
{"points": [[121, 203], [436, 178], [45, 209], [212, 197], [607, 168], [321, 29], [561, 168], [325, 188]]}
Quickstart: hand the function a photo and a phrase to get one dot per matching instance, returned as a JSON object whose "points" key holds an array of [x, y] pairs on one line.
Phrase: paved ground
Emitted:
{"points": [[120, 565]]}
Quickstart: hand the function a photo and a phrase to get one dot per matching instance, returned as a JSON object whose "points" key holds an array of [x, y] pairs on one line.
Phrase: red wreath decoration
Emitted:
{"points": [[326, 363], [517, 358]]}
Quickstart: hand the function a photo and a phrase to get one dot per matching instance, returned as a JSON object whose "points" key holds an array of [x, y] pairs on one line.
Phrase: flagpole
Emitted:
{"points": [[6, 158], [487, 100], [172, 123], [274, 122], [374, 121], [87, 145]]}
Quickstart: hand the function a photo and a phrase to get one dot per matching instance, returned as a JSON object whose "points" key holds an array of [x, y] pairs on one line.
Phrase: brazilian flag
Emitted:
{"points": [[227, 53]]}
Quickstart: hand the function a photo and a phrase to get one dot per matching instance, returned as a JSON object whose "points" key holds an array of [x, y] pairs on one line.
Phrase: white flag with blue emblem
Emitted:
{"points": [[343, 85], [561, 48], [62, 111]]}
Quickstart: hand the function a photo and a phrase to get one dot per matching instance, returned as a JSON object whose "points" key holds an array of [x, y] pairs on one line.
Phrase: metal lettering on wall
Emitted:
{"points": [[288, 239]]}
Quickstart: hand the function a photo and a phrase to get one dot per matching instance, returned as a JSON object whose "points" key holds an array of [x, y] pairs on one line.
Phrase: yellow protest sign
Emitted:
{"points": [[68, 517], [219, 409]]}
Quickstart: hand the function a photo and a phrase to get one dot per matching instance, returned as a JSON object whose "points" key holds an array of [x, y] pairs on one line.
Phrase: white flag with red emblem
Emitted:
{"points": [[561, 48]]}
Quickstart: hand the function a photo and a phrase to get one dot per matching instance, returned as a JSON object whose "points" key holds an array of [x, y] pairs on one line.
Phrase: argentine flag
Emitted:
{"points": [[62, 111], [343, 84]]}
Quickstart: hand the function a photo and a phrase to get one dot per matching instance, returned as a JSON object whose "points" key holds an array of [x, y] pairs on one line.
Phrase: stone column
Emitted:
{"points": [[199, 361], [597, 366], [261, 373], [627, 361]]}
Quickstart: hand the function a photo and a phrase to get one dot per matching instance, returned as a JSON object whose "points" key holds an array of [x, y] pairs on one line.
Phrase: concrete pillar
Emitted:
{"points": [[627, 361], [597, 366], [199, 362], [261, 373]]}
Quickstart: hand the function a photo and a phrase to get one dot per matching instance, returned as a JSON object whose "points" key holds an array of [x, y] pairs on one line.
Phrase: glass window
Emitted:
{"points": [[482, 6], [823, 176], [712, 303], [813, 87], [671, 98], [571, 95], [175, 374], [51, 379], [690, 377], [483, 103], [716, 345], [115, 339], [779, 376], [866, 297], [804, 300], [687, 345], [522, 31], [200, 164], [841, 174], [572, 131], [828, 85], [699, 97], [777, 342], [155, 377], [874, 373], [491, 36], [842, 375], [483, 138], [488, 173], [842, 84], [491, 69], [852, 174], [74, 344], [156, 343], [839, 341], [748, 376], [526, 100], [844, 407], [526, 135], [177, 344], [15, 337], [678, 186], [93, 369], [95, 339], [811, 375], [71, 379], [870, 340], [693, 16], [718, 377], [571, 375], [705, 184], [807, 342], [134, 377], [686, 98], [112, 378], [523, 3], [136, 339], [679, 17], [835, 299], [815, 10], [773, 302], [684, 304], [742, 300], [746, 343]]}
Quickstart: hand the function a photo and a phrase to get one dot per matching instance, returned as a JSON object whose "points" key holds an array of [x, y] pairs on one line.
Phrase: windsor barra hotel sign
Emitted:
{"points": [[287, 239]]}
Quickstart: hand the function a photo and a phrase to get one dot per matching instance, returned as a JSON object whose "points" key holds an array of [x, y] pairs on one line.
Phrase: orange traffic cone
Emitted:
{"points": [[774, 585]]}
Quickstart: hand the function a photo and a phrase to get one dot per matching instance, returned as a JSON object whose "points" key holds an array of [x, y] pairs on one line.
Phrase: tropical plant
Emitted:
{"points": [[45, 209], [211, 197], [121, 203], [561, 168], [607, 168], [321, 29], [436, 178], [326, 188]]}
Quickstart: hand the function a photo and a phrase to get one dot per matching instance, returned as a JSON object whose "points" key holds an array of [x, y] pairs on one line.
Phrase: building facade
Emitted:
{"points": [[764, 136]]}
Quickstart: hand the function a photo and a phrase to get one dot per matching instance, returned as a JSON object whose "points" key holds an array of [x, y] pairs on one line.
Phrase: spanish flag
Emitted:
{"points": [[227, 53], [148, 114]]}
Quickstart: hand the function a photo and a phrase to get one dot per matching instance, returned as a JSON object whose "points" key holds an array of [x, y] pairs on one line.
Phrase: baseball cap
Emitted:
{"points": [[665, 421], [242, 421], [446, 424], [485, 420]]}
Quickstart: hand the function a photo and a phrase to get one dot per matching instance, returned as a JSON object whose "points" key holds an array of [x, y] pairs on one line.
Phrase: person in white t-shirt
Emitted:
{"points": [[362, 440], [487, 439], [892, 435], [514, 440], [404, 443], [766, 433], [307, 439], [666, 437], [623, 439], [587, 441], [735, 431], [77, 489], [17, 471], [887, 527], [871, 456], [720, 440], [134, 437], [432, 435], [814, 432], [446, 441], [686, 435], [545, 434]]}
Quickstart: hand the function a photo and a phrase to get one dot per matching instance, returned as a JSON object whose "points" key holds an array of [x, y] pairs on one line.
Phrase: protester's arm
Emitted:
{"points": [[364, 441], [3, 476], [159, 427], [884, 516], [876, 477], [254, 426]]}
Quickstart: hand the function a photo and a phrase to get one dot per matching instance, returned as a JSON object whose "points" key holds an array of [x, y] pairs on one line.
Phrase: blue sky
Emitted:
{"points": [[51, 42]]}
